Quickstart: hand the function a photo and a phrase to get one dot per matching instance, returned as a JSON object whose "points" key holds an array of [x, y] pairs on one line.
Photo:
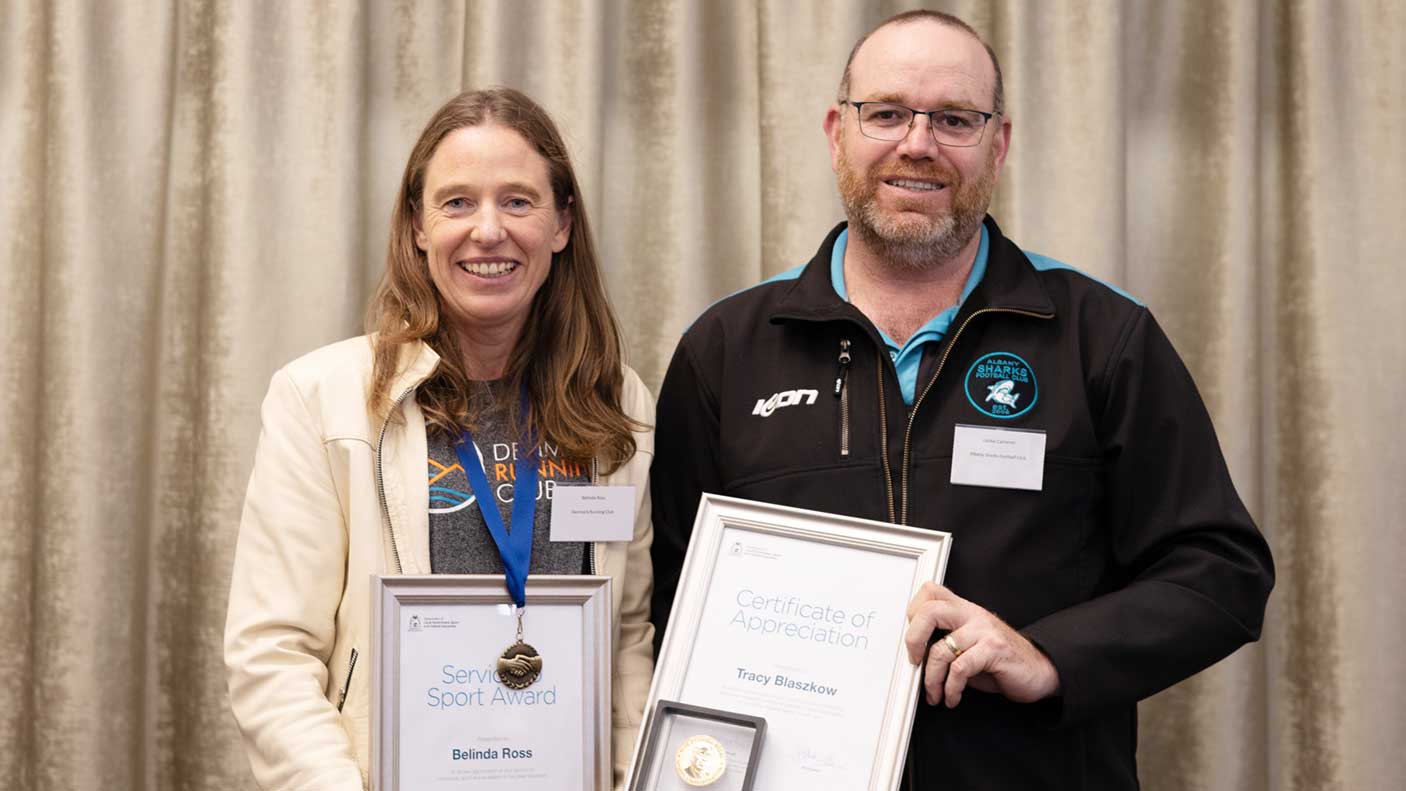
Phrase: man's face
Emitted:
{"points": [[912, 200]]}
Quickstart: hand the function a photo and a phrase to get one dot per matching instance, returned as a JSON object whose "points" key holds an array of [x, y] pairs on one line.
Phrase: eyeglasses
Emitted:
{"points": [[889, 121]]}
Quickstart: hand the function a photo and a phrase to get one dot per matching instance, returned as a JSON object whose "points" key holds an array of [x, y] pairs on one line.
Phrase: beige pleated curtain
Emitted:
{"points": [[194, 193]]}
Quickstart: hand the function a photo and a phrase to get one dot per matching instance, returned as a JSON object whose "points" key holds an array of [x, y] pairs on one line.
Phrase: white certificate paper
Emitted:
{"points": [[808, 651], [461, 728]]}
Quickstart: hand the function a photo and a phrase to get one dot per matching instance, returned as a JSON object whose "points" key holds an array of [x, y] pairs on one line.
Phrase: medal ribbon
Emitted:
{"points": [[514, 547]]}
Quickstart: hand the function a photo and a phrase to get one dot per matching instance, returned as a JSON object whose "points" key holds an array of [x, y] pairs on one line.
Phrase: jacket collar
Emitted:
{"points": [[417, 362], [1011, 283], [403, 464]]}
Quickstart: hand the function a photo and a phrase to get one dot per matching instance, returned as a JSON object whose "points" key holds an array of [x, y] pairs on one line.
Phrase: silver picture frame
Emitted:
{"points": [[730, 540], [485, 597]]}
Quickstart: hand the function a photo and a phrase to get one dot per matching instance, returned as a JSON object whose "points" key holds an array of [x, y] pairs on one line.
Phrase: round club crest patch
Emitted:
{"points": [[1001, 385]]}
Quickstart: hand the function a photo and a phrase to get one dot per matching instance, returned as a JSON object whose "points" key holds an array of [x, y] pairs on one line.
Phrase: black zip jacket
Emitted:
{"points": [[1136, 566]]}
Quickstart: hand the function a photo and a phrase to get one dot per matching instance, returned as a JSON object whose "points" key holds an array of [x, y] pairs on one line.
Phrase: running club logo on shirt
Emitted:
{"points": [[1001, 385], [449, 485], [448, 492]]}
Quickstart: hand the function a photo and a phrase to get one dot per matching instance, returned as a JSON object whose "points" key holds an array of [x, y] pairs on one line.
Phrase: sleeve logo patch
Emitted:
{"points": [[1001, 385]]}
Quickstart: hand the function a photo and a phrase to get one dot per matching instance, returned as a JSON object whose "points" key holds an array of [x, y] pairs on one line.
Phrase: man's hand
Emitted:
{"points": [[979, 649]]}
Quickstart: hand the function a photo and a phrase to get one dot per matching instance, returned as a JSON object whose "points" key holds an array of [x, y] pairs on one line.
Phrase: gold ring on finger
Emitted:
{"points": [[952, 646]]}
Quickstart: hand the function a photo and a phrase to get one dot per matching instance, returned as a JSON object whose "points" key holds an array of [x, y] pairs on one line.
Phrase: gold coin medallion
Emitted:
{"points": [[700, 760], [519, 666]]}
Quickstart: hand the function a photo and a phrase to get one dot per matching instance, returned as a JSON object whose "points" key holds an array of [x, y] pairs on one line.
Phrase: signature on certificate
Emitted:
{"points": [[811, 760]]}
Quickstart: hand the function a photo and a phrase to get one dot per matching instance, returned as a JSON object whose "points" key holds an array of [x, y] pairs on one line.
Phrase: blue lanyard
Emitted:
{"points": [[516, 547]]}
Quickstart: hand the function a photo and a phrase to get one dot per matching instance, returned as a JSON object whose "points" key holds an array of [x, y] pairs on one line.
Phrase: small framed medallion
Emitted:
{"points": [[709, 748]]}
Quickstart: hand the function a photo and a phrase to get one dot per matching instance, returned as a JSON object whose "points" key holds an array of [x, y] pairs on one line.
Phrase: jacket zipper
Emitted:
{"points": [[346, 687], [907, 438], [842, 393], [913, 413], [591, 553], [381, 479], [884, 436]]}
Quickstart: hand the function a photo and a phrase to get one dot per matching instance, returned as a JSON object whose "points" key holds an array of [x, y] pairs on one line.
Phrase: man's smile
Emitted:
{"points": [[915, 185]]}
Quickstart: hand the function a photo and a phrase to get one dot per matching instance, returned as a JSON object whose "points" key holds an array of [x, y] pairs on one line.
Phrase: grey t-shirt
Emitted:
{"points": [[459, 540]]}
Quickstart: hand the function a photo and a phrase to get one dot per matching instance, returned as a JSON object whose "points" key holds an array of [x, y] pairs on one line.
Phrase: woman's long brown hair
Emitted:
{"points": [[569, 354]]}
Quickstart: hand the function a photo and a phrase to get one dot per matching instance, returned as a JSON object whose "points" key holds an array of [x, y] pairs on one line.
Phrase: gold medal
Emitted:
{"points": [[700, 760], [519, 666]]}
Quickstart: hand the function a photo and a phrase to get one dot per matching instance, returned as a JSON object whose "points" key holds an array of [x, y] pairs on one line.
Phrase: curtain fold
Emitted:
{"points": [[195, 193]]}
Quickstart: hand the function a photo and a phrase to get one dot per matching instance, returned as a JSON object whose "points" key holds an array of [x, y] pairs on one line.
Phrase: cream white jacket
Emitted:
{"points": [[336, 496]]}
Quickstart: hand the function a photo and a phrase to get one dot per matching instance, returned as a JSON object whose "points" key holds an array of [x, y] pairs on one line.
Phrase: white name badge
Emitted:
{"points": [[1005, 458], [593, 513]]}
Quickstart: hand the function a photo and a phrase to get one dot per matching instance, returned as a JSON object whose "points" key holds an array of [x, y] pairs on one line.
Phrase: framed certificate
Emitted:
{"points": [[447, 715], [798, 617]]}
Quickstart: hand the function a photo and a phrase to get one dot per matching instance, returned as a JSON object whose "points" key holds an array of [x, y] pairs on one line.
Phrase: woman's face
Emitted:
{"points": [[489, 227]]}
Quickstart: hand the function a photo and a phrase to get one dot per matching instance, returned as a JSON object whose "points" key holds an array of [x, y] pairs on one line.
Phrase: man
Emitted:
{"points": [[1120, 560]]}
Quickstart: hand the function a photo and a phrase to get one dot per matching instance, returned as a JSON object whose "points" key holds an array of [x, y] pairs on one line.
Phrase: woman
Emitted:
{"points": [[490, 327]]}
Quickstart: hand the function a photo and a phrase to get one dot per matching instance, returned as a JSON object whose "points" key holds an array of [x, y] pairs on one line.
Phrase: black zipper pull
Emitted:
{"points": [[842, 368]]}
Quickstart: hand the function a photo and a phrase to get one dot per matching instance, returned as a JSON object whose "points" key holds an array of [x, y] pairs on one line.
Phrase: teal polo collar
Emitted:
{"points": [[908, 357]]}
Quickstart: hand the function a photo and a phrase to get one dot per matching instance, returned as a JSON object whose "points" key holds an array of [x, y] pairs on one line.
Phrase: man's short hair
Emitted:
{"points": [[999, 97]]}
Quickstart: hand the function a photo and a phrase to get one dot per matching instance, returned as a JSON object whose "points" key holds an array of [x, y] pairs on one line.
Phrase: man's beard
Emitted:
{"points": [[915, 242]]}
